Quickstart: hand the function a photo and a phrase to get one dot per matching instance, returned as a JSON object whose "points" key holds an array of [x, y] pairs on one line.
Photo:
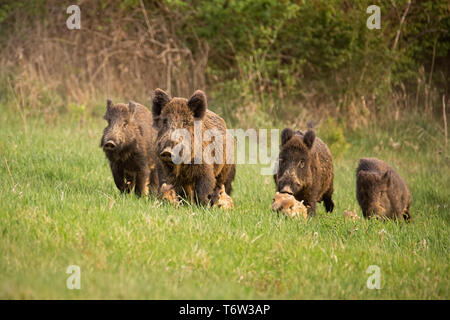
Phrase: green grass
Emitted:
{"points": [[59, 206]]}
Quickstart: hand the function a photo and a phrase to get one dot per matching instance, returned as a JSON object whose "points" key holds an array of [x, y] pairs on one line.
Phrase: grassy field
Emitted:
{"points": [[59, 207]]}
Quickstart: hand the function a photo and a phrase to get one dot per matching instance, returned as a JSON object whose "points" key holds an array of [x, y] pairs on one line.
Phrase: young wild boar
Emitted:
{"points": [[305, 169], [286, 204], [129, 144], [381, 191], [203, 181]]}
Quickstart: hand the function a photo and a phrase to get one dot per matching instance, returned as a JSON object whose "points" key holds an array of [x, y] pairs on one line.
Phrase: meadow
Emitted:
{"points": [[59, 207]]}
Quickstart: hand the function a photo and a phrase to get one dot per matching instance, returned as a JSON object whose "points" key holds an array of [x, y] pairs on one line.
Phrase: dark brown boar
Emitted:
{"points": [[381, 191], [129, 144], [305, 169], [201, 182]]}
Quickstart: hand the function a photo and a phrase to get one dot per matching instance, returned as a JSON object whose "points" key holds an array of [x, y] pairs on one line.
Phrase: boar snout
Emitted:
{"points": [[376, 210], [166, 155], [287, 189], [109, 145], [290, 186]]}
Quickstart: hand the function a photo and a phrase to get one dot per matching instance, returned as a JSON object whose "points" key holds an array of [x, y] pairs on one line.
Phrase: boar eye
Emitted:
{"points": [[301, 163], [165, 122]]}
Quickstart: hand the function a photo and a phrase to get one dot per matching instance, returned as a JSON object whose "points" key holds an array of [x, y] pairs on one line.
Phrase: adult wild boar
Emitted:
{"points": [[202, 180], [305, 169], [129, 144], [381, 191]]}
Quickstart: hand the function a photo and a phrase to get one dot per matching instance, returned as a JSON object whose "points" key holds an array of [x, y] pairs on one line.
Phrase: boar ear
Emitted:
{"points": [[309, 138], [365, 179], [197, 103], [365, 175], [368, 178], [286, 134], [108, 104], [132, 107], [159, 100]]}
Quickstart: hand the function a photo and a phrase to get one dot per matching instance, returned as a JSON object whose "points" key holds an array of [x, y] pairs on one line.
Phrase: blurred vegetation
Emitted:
{"points": [[332, 133], [262, 62]]}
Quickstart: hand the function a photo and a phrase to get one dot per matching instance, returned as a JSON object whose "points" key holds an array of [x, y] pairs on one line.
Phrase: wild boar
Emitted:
{"points": [[201, 181], [129, 144], [381, 191], [305, 169], [286, 204]]}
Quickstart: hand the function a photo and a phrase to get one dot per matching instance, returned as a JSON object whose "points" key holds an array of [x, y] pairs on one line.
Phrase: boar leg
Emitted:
{"points": [[230, 178], [154, 181], [312, 209], [311, 204], [188, 191], [406, 215], [118, 175], [327, 201], [130, 180], [142, 181], [226, 177]]}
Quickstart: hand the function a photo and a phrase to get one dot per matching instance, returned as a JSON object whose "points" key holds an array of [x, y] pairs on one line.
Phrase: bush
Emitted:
{"points": [[260, 60], [332, 133]]}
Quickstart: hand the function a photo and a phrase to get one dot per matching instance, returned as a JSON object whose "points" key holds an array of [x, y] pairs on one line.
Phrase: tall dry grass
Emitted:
{"points": [[122, 53], [125, 51]]}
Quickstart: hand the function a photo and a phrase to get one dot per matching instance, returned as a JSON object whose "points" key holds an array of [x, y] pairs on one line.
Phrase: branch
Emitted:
{"points": [[402, 20]]}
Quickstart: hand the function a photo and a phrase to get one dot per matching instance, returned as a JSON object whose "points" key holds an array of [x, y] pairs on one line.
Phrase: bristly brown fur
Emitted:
{"points": [[305, 169], [199, 182], [381, 191], [133, 160]]}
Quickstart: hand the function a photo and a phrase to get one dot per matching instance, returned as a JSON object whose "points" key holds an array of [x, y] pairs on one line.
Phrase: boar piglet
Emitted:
{"points": [[305, 169], [380, 190], [201, 181], [129, 144]]}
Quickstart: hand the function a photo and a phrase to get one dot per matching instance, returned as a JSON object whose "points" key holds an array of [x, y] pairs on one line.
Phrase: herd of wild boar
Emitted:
{"points": [[138, 144]]}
